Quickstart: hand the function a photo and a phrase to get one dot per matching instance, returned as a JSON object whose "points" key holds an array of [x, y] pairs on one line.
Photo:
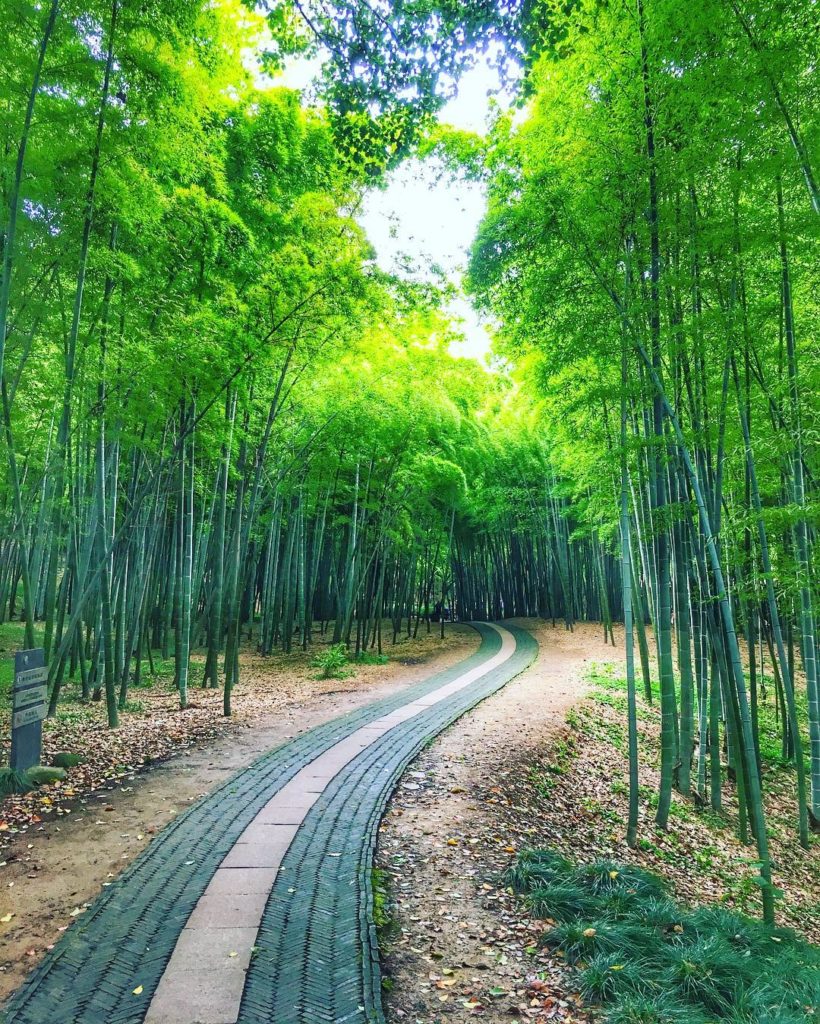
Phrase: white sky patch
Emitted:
{"points": [[422, 223], [425, 218]]}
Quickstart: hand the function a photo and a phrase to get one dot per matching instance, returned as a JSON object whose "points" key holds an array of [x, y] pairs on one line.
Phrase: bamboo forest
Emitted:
{"points": [[409, 509]]}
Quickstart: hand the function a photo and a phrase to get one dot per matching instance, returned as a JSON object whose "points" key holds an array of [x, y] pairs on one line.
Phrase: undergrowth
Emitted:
{"points": [[331, 662], [14, 782], [371, 658], [646, 960]]}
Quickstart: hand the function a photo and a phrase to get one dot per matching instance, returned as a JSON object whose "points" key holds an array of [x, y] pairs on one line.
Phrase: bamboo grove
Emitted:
{"points": [[223, 425], [650, 252]]}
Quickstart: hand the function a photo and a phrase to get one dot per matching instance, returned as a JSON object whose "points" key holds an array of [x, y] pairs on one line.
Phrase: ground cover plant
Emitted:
{"points": [[647, 960]]}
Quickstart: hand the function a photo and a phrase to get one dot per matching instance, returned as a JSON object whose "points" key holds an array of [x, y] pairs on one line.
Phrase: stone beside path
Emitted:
{"points": [[256, 905]]}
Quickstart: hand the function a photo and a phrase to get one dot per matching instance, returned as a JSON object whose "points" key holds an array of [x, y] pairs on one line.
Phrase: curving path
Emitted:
{"points": [[256, 905]]}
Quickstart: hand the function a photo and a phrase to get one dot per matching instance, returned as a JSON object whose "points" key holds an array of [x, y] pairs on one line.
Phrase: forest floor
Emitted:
{"points": [[540, 763], [62, 844], [527, 769]]}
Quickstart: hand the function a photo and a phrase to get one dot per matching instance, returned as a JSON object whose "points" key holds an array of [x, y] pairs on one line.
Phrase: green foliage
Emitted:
{"points": [[66, 760], [647, 961], [331, 662], [707, 972], [656, 1009], [536, 867], [604, 877], [607, 978], [371, 658], [44, 775], [564, 899], [13, 781], [383, 911], [583, 939]]}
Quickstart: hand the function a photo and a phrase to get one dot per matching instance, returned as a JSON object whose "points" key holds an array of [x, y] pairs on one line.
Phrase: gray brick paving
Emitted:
{"points": [[316, 957]]}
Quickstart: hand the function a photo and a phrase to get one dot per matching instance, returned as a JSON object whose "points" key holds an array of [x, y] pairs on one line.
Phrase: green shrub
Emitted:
{"points": [[13, 781], [66, 760], [331, 662], [43, 775]]}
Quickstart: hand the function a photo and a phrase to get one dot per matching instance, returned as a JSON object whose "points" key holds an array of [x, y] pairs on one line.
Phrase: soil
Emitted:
{"points": [[85, 837], [527, 769], [457, 944]]}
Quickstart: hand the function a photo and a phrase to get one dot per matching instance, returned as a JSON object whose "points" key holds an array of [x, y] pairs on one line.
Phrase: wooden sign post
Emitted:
{"points": [[28, 708]]}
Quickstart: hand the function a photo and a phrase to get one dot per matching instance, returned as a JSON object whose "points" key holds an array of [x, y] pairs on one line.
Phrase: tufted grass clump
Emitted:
{"points": [[608, 976], [534, 868], [706, 972], [13, 781], [658, 1009], [561, 900], [581, 940], [645, 960], [604, 876]]}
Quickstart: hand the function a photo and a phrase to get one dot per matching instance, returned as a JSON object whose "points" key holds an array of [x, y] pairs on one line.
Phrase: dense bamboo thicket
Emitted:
{"points": [[224, 425], [650, 250]]}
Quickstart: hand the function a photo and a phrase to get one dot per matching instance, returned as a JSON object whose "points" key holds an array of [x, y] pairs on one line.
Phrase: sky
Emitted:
{"points": [[433, 220], [421, 218]]}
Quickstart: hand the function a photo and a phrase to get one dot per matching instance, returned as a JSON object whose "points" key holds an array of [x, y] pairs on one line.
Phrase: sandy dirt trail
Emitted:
{"points": [[453, 944]]}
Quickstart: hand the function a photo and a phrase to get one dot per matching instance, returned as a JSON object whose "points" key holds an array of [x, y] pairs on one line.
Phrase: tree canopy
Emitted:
{"points": [[224, 424]]}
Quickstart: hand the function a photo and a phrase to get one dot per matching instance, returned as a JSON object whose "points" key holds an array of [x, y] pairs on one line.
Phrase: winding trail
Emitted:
{"points": [[256, 905]]}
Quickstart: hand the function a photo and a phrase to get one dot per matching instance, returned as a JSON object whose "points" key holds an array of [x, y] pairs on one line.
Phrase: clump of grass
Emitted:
{"points": [[564, 900], [331, 662], [607, 976], [706, 972], [658, 1009], [371, 658], [66, 760], [658, 912], [533, 868], [604, 876], [43, 775], [646, 961], [13, 781]]}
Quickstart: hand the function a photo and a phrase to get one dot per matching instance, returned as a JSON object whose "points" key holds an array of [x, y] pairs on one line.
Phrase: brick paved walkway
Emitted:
{"points": [[256, 905]]}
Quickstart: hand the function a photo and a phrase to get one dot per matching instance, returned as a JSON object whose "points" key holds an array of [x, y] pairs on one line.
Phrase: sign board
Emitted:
{"points": [[28, 708]]}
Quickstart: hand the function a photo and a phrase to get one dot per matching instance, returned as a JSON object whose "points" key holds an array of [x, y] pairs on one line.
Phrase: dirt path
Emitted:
{"points": [[51, 873], [457, 950]]}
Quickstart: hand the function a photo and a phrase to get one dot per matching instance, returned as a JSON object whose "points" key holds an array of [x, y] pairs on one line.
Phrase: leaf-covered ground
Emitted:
{"points": [[460, 945], [699, 852]]}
